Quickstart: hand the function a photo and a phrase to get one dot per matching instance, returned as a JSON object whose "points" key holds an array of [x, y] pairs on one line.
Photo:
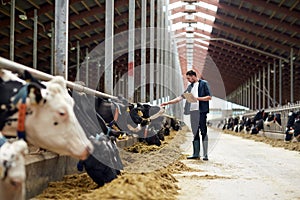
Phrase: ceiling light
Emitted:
{"points": [[23, 17], [49, 34], [72, 48]]}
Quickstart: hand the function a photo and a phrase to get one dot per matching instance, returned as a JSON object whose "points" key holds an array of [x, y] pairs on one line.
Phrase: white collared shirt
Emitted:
{"points": [[194, 91]]}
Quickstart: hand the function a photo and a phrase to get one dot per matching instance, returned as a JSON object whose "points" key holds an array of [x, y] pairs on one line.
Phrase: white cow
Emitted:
{"points": [[12, 170], [50, 122]]}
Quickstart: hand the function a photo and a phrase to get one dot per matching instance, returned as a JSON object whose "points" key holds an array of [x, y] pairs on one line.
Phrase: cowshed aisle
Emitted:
{"points": [[240, 169]]}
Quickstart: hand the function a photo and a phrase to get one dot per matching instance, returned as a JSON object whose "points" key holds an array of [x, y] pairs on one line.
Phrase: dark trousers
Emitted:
{"points": [[198, 121]]}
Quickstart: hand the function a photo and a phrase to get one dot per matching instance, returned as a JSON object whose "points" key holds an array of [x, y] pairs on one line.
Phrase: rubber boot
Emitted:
{"points": [[205, 147], [196, 150]]}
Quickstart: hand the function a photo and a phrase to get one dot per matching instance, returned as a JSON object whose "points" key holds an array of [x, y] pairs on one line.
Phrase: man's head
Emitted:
{"points": [[191, 76]]}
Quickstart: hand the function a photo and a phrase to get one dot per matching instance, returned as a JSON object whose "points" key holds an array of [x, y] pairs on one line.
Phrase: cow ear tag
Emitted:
{"points": [[127, 109], [140, 113]]}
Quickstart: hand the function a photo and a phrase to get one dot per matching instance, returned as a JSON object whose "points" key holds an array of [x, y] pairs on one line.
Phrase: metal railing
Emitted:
{"points": [[13, 66], [282, 110]]}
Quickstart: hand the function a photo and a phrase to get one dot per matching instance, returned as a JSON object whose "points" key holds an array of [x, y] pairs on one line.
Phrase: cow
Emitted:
{"points": [[145, 115], [239, 124], [12, 169], [129, 117], [293, 127], [258, 121], [273, 118], [263, 118], [42, 115], [104, 164], [229, 124], [297, 129], [247, 124]]}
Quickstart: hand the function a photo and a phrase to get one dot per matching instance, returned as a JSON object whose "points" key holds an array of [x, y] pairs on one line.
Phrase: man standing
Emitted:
{"points": [[198, 112]]}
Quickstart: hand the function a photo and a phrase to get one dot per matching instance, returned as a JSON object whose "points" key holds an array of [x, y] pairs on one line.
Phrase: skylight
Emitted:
{"points": [[192, 29]]}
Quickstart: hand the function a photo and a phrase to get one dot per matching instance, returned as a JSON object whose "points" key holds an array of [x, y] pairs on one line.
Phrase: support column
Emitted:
{"points": [[249, 93], [264, 88], [292, 75], [87, 67], [255, 91], [166, 51], [162, 49], [35, 31], [78, 60], [252, 93], [12, 30], [131, 31], [269, 85], [280, 82], [171, 67], [152, 43], [239, 93], [259, 90], [158, 48], [52, 48], [143, 50], [274, 84], [244, 94], [109, 47], [61, 37]]}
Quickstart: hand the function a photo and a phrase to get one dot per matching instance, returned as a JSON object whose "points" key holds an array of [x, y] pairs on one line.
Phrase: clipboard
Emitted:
{"points": [[189, 97]]}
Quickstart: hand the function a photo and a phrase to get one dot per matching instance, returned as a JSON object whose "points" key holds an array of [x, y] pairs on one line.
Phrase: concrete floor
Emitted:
{"points": [[240, 169]]}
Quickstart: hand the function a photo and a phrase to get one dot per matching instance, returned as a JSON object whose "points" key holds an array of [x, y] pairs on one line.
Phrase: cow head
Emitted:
{"points": [[12, 170], [50, 121], [58, 129]]}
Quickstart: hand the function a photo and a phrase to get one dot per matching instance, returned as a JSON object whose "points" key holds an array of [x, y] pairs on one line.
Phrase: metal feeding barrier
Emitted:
{"points": [[284, 113], [13, 66]]}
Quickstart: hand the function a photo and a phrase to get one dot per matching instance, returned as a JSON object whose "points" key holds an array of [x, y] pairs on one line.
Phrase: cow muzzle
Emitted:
{"points": [[86, 153]]}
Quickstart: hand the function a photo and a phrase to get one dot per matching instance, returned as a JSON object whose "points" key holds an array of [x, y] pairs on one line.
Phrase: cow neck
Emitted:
{"points": [[116, 115]]}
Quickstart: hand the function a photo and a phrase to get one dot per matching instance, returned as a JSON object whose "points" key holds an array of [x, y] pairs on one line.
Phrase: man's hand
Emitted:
{"points": [[163, 104]]}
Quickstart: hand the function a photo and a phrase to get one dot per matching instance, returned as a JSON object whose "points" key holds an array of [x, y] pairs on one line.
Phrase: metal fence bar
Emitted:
{"points": [[13, 66]]}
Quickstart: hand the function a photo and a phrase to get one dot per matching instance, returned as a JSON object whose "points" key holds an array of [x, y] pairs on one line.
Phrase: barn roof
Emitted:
{"points": [[248, 34]]}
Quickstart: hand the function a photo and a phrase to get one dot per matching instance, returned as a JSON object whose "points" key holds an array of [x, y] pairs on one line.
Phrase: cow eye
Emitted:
{"points": [[62, 113], [55, 123]]}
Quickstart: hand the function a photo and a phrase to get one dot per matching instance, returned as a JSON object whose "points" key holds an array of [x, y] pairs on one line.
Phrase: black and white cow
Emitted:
{"points": [[263, 118], [104, 164], [293, 126], [134, 118], [273, 118], [44, 113]]}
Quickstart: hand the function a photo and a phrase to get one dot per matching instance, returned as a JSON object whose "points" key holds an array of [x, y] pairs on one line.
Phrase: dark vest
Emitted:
{"points": [[203, 90]]}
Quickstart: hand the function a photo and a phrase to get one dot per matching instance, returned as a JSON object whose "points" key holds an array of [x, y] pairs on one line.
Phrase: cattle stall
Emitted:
{"points": [[282, 110]]}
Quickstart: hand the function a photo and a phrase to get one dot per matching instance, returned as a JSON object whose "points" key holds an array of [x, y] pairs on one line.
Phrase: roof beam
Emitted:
{"points": [[235, 62], [276, 8], [257, 29], [198, 9], [256, 17], [262, 41], [243, 51]]}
